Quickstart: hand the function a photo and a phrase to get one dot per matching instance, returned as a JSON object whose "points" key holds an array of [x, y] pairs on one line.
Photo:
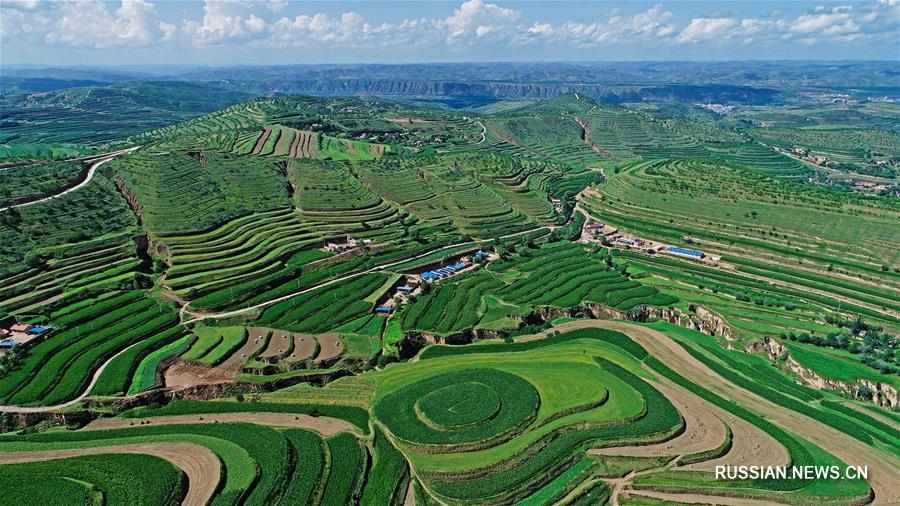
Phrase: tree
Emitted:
{"points": [[11, 218]]}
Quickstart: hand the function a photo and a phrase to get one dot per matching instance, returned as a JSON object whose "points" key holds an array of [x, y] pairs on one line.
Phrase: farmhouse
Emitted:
{"points": [[346, 246], [21, 327]]}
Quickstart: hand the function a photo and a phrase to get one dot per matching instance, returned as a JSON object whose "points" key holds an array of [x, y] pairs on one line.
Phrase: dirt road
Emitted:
{"points": [[86, 180], [45, 409]]}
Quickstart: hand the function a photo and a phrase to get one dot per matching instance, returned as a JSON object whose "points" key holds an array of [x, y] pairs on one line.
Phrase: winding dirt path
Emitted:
{"points": [[324, 425], [45, 409], [483, 133], [198, 463], [85, 181]]}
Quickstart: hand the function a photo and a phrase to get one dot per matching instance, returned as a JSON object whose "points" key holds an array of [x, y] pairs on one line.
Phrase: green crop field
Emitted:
{"points": [[326, 300]]}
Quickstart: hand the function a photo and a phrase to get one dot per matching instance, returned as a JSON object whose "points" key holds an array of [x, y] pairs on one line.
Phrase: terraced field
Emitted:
{"points": [[270, 258], [557, 275]]}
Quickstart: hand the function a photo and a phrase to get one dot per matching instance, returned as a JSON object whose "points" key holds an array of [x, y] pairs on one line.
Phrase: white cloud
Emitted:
{"points": [[475, 17], [128, 23], [226, 21], [703, 29], [841, 23], [348, 29], [830, 23], [654, 22], [25, 5], [223, 20], [90, 24]]}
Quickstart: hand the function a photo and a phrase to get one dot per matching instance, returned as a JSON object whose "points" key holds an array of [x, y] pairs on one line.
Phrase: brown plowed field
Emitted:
{"points": [[703, 429], [308, 146], [235, 362], [184, 374], [262, 140], [304, 344], [322, 424], [700, 499], [329, 346], [283, 145], [298, 136]]}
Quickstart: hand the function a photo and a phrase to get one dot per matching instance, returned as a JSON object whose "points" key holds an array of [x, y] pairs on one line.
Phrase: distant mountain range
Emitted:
{"points": [[751, 83]]}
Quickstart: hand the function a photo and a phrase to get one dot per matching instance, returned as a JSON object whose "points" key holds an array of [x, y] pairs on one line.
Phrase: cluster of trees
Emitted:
{"points": [[875, 348], [765, 301]]}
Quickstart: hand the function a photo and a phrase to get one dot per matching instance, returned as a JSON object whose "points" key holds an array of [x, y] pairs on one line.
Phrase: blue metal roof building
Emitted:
{"points": [[687, 252]]}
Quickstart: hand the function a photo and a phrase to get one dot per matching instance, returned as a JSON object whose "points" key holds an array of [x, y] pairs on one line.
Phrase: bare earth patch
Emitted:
{"points": [[198, 463], [261, 141], [183, 374], [329, 346], [750, 446], [324, 425], [236, 361], [279, 343], [703, 429], [700, 498]]}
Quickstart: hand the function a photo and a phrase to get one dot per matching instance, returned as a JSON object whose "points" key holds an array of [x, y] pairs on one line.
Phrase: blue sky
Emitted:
{"points": [[284, 32]]}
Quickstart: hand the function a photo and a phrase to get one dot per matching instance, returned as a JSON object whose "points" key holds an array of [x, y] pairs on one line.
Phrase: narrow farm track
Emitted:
{"points": [[322, 424], [884, 470], [201, 466], [45, 409], [87, 179]]}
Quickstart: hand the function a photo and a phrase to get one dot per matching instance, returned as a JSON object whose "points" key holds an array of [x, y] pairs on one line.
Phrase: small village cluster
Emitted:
{"points": [[15, 333], [597, 230], [412, 283]]}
